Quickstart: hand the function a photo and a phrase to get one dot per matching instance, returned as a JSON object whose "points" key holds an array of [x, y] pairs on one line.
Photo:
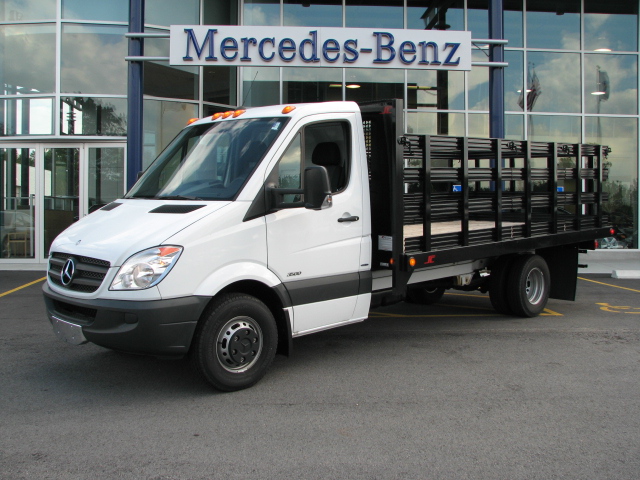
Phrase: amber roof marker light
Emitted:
{"points": [[288, 109]]}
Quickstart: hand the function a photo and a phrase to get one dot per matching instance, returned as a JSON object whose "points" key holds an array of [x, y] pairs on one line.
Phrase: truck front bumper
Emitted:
{"points": [[158, 327]]}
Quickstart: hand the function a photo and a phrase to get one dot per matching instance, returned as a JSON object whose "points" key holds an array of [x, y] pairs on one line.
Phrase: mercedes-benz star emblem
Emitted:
{"points": [[68, 270]]}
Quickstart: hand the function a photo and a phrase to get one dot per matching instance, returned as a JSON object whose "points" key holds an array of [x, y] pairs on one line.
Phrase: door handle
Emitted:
{"points": [[348, 219]]}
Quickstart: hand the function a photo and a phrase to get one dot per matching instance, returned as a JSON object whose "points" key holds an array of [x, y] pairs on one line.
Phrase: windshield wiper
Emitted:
{"points": [[176, 197]]}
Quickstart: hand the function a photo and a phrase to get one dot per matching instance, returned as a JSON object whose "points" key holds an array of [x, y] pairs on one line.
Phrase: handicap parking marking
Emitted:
{"points": [[23, 286], [619, 309]]}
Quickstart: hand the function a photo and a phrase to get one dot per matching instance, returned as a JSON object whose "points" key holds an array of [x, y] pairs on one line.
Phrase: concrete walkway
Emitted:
{"points": [[621, 263]]}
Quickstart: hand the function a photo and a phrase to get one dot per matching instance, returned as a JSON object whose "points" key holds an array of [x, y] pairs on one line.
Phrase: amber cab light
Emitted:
{"points": [[288, 109], [227, 114], [237, 113], [191, 120], [216, 116]]}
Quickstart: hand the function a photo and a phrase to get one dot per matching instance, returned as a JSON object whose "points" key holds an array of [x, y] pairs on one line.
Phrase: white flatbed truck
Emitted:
{"points": [[259, 225]]}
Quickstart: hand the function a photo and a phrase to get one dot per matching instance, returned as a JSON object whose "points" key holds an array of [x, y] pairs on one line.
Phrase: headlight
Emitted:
{"points": [[146, 269]]}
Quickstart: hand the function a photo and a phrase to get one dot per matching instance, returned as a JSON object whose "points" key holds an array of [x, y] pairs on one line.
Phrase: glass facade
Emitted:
{"points": [[572, 76]]}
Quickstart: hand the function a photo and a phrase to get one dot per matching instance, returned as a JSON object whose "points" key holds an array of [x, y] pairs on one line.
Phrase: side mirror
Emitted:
{"points": [[317, 192]]}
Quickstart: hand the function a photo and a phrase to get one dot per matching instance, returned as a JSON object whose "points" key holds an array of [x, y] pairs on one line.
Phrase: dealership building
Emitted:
{"points": [[81, 112]]}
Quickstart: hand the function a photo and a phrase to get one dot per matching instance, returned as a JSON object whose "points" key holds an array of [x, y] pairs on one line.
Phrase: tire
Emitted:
{"points": [[235, 342], [498, 285], [424, 295], [528, 285]]}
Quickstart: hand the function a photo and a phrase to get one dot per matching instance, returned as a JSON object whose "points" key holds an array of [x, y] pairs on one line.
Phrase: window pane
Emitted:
{"points": [[553, 24], [106, 176], [611, 84], [374, 13], [216, 12], [373, 84], [21, 10], [479, 84], [514, 127], [513, 22], [513, 81], [435, 15], [554, 82], [113, 10], [37, 43], [547, 128], [170, 12], [162, 122], [431, 89], [93, 116], [26, 116], [622, 135], [479, 125], [435, 123], [17, 194], [610, 26], [261, 12], [311, 84], [163, 80], [327, 13], [261, 86], [220, 85], [93, 59], [478, 18]]}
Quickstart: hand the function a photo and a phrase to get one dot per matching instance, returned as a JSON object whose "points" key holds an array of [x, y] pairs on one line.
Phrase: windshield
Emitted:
{"points": [[210, 161]]}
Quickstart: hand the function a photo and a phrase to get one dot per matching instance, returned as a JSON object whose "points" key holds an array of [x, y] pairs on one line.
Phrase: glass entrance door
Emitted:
{"points": [[17, 203]]}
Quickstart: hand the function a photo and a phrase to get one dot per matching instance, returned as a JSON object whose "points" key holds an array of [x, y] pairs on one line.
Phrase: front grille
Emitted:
{"points": [[88, 276], [78, 313]]}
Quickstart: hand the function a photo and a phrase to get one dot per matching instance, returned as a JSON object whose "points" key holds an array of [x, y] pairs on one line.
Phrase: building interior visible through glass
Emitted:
{"points": [[572, 77]]}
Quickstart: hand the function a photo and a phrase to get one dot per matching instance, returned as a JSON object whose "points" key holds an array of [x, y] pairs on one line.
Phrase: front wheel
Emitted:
{"points": [[424, 295], [235, 343]]}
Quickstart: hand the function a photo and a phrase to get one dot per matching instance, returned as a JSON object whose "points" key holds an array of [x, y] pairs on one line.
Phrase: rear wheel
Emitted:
{"points": [[424, 295], [236, 342], [528, 285]]}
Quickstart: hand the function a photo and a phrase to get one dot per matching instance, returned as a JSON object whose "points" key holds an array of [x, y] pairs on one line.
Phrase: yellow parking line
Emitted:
{"points": [[394, 315], [608, 284], [23, 286]]}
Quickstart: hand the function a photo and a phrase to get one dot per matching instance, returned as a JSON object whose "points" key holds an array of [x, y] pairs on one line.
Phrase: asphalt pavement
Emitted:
{"points": [[452, 391]]}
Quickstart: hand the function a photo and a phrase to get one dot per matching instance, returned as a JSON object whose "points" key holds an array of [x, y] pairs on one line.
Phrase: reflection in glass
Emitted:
{"points": [[170, 81], [327, 13], [621, 134], [554, 128], [21, 10], [479, 125], [610, 26], [106, 176], [428, 123], [374, 13], [26, 116], [611, 84], [61, 191], [513, 81], [435, 89], [479, 84], [435, 15], [311, 84], [220, 13], [93, 116], [554, 82], [170, 12], [220, 85], [554, 25], [365, 85], [17, 198], [162, 122], [513, 22], [514, 127], [261, 12], [93, 59], [37, 43], [261, 86], [112, 11]]}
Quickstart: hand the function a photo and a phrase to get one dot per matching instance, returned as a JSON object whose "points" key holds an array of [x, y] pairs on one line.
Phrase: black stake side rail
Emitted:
{"points": [[513, 185]]}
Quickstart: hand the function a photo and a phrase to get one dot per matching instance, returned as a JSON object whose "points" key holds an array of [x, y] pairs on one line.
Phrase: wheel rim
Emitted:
{"points": [[239, 344], [535, 286]]}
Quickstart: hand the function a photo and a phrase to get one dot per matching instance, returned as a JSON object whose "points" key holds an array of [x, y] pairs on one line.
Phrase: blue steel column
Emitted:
{"points": [[134, 93], [496, 74]]}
